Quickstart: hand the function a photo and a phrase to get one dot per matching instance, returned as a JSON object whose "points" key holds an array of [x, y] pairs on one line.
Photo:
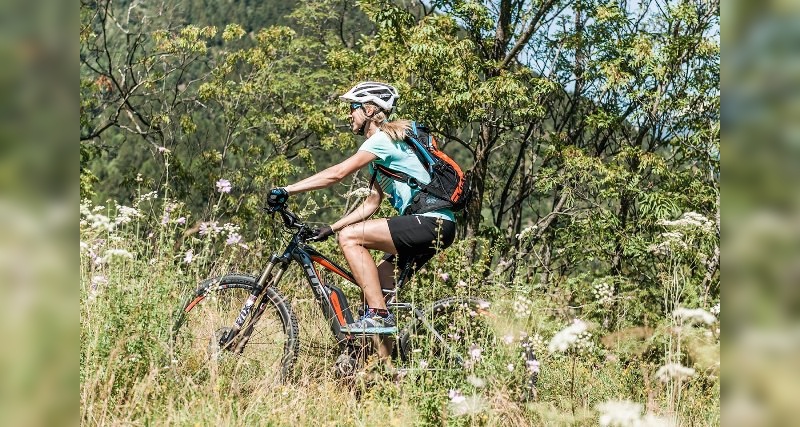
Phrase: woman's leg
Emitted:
{"points": [[355, 240], [383, 343]]}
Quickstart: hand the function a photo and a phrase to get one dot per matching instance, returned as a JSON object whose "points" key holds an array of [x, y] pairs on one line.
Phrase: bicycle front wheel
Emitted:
{"points": [[205, 345]]}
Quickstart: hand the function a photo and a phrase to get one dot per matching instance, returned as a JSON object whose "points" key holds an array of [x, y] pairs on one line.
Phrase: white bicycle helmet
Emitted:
{"points": [[380, 94]]}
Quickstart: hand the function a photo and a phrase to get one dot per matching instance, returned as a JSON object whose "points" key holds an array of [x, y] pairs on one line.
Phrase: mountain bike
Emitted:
{"points": [[243, 324]]}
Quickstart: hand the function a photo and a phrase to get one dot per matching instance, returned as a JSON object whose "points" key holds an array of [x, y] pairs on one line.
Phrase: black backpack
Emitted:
{"points": [[448, 189]]}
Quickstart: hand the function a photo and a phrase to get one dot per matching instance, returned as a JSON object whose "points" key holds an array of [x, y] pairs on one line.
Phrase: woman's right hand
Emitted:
{"points": [[321, 234]]}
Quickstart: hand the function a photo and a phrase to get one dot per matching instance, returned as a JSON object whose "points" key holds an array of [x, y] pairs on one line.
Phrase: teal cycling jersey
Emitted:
{"points": [[398, 155]]}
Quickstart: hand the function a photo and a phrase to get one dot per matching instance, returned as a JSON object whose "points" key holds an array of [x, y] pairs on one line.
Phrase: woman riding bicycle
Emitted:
{"points": [[402, 237]]}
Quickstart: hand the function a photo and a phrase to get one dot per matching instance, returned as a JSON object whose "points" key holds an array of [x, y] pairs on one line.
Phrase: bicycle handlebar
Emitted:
{"points": [[290, 220]]}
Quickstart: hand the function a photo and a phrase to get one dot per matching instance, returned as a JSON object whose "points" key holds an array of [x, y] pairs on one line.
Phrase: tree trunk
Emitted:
{"points": [[478, 182]]}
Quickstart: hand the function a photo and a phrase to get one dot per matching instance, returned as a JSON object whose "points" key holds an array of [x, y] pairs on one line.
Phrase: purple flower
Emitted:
{"points": [[209, 228], [189, 256], [533, 366], [444, 276], [181, 220], [224, 186], [233, 239]]}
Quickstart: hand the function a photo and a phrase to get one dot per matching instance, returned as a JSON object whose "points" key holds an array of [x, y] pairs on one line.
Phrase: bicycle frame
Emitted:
{"points": [[332, 302]]}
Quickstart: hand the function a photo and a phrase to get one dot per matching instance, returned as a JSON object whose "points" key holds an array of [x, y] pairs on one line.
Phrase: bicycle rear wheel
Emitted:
{"points": [[453, 332], [202, 344]]}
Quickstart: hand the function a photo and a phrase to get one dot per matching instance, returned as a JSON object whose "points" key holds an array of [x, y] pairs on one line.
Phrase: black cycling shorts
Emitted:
{"points": [[419, 236]]}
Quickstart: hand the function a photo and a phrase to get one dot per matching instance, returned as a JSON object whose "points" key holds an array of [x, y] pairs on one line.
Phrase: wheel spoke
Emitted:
{"points": [[263, 355]]}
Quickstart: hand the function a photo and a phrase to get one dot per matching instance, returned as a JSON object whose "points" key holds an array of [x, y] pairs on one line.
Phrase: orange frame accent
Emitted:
{"points": [[193, 303], [337, 308], [325, 263], [337, 305]]}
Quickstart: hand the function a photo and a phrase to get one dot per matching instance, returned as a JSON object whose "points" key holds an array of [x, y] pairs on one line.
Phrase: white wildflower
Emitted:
{"points": [[461, 284], [423, 364], [693, 316], [358, 192], [522, 306], [125, 214], [475, 352], [672, 235], [715, 310], [116, 253], [455, 396], [672, 241], [445, 277], [164, 150], [567, 336], [99, 222], [475, 381], [674, 371], [98, 280], [230, 228], [510, 367], [689, 221], [603, 293], [619, 413], [624, 413], [536, 342], [188, 257], [527, 232], [145, 197], [467, 405], [508, 339], [584, 341], [181, 220], [483, 305]]}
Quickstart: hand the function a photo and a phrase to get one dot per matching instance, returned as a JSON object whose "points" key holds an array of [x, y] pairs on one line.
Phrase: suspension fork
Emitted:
{"points": [[255, 299], [261, 306]]}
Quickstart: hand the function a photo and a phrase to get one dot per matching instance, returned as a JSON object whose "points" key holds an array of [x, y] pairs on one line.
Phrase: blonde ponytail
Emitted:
{"points": [[396, 129]]}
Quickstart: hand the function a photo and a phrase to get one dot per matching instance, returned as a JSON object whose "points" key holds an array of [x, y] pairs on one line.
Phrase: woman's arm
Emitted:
{"points": [[363, 211], [333, 174]]}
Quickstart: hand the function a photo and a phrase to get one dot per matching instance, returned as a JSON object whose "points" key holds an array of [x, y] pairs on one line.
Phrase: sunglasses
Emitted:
{"points": [[355, 105]]}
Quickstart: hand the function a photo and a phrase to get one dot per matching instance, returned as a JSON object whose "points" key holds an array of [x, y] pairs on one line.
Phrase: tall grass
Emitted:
{"points": [[134, 277]]}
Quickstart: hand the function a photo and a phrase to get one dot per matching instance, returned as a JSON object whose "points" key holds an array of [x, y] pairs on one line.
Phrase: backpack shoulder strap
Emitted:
{"points": [[395, 175], [374, 175], [413, 139]]}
